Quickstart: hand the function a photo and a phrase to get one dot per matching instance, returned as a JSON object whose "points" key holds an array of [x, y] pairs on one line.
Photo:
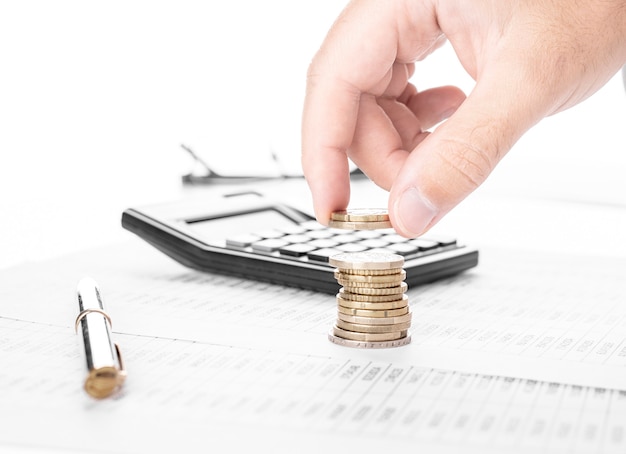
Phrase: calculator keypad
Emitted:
{"points": [[311, 241]]}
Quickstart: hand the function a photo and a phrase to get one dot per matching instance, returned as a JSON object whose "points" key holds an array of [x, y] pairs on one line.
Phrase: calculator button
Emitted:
{"points": [[395, 238], [424, 245], [322, 255], [272, 233], [293, 229], [319, 234], [443, 240], [323, 243], [296, 250], [368, 234], [351, 247], [374, 243], [269, 245], [346, 238], [312, 225], [244, 240], [379, 250], [296, 239], [403, 248], [335, 231]]}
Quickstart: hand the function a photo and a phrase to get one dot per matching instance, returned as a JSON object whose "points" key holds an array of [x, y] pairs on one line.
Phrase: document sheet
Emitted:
{"points": [[525, 353]]}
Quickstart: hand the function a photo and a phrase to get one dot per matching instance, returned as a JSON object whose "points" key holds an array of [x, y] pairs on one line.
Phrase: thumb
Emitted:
{"points": [[459, 155]]}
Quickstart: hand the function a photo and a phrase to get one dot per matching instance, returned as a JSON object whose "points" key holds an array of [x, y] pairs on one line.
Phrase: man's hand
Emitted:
{"points": [[530, 59]]}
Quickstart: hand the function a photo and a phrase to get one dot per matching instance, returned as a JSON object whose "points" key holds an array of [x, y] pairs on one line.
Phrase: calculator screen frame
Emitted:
{"points": [[169, 228], [246, 217]]}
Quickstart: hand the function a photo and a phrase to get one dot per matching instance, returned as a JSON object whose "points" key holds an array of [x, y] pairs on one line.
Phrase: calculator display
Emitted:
{"points": [[218, 229]]}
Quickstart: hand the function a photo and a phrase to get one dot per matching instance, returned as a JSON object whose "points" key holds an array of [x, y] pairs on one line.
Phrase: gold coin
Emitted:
{"points": [[361, 215], [374, 320], [374, 279], [369, 298], [348, 225], [403, 302], [372, 329], [371, 313], [398, 289], [368, 337], [366, 260], [360, 344], [353, 272], [351, 284]]}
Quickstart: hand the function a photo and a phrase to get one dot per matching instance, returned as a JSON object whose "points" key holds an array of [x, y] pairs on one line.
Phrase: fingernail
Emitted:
{"points": [[414, 212]]}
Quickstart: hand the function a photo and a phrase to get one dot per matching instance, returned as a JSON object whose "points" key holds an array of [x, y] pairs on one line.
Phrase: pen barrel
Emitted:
{"points": [[105, 373]]}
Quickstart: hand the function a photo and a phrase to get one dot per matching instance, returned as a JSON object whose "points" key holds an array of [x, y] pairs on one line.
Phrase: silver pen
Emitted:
{"points": [[105, 370]]}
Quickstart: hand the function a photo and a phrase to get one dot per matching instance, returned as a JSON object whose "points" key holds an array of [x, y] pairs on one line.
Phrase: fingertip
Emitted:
{"points": [[331, 193], [436, 104], [328, 124], [455, 97]]}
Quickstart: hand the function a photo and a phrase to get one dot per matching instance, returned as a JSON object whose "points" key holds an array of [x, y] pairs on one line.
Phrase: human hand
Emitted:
{"points": [[530, 59]]}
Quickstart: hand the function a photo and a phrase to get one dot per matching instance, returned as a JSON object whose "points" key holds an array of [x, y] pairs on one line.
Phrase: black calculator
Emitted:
{"points": [[252, 237]]}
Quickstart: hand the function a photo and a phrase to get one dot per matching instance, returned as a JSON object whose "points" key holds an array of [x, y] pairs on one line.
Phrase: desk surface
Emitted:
{"points": [[523, 353]]}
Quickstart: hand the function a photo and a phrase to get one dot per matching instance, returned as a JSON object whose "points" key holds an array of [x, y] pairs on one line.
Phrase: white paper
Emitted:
{"points": [[518, 354]]}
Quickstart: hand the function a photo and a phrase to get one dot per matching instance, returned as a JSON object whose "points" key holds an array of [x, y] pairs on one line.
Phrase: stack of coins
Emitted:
{"points": [[372, 306]]}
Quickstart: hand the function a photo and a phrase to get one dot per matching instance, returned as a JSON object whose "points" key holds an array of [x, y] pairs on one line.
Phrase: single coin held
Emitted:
{"points": [[360, 219]]}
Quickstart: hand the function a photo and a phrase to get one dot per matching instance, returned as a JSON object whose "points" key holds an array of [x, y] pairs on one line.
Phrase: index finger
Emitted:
{"points": [[327, 131], [342, 69]]}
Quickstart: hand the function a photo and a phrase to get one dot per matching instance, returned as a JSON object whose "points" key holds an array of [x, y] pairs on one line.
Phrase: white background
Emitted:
{"points": [[96, 98]]}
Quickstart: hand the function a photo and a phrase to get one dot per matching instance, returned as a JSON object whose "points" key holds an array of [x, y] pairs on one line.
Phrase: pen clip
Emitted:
{"points": [[122, 371]]}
